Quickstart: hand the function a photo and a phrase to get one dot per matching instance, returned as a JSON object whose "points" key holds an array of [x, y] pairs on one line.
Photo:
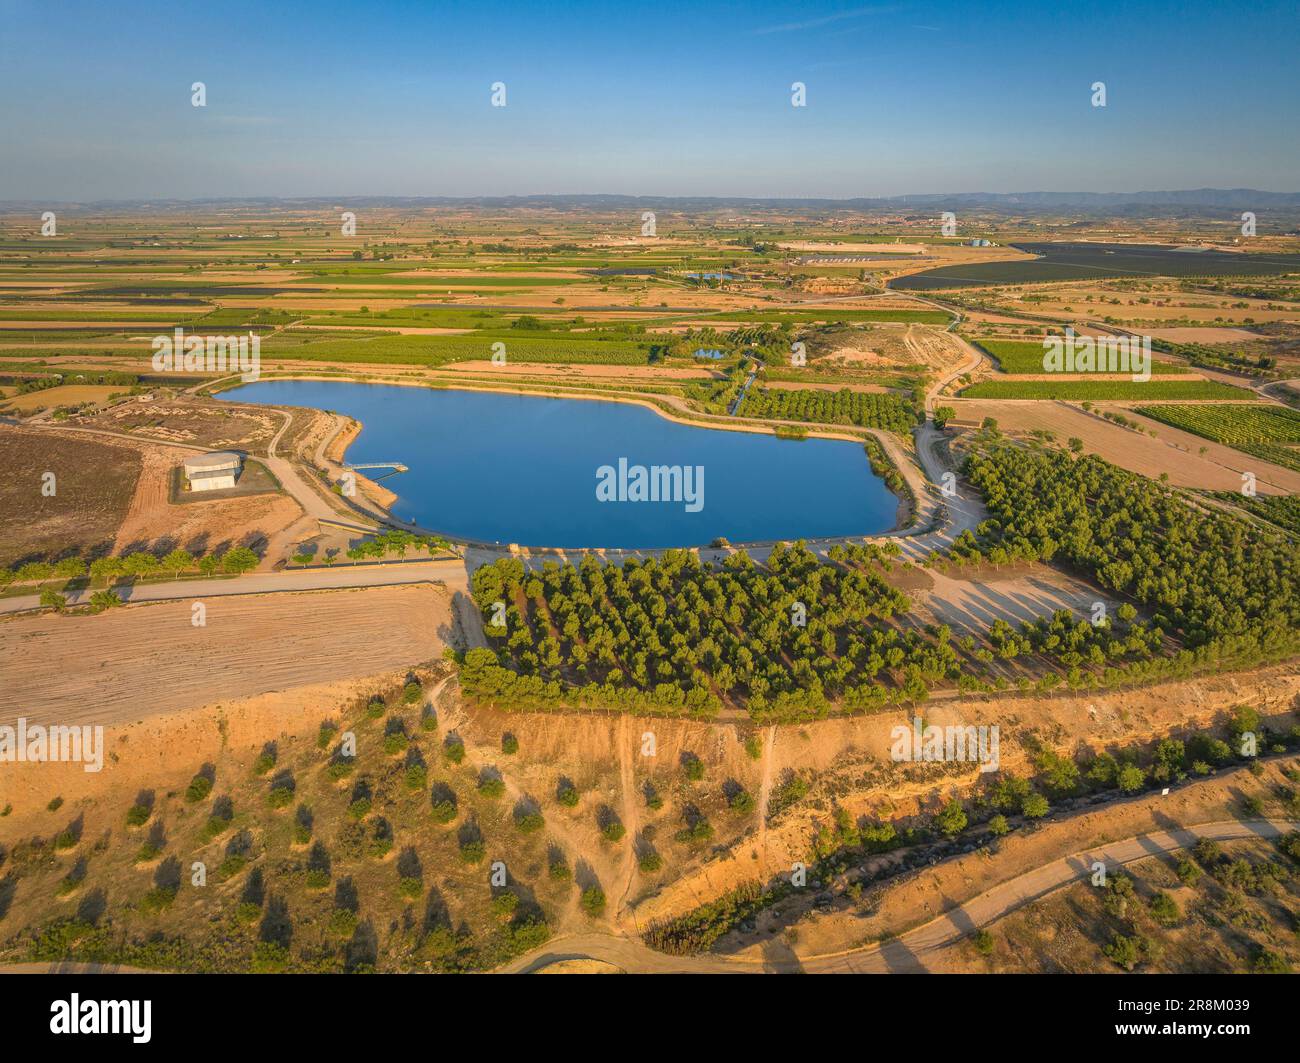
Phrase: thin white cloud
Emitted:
{"points": [[826, 20], [243, 119]]}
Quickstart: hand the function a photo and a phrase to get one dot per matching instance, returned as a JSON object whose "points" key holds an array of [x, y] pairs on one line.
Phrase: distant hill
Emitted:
{"points": [[1187, 201]]}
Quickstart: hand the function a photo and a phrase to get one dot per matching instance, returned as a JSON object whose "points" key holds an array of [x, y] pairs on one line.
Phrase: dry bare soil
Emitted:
{"points": [[1170, 451], [94, 483], [150, 659]]}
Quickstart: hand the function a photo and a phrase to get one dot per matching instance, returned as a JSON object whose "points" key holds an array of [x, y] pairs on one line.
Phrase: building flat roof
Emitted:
{"points": [[219, 460]]}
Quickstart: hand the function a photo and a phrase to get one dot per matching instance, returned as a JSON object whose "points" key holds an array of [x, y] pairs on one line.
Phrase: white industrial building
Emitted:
{"points": [[213, 472]]}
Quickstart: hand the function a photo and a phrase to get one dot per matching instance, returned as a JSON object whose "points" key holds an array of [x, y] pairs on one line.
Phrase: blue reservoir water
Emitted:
{"points": [[524, 469]]}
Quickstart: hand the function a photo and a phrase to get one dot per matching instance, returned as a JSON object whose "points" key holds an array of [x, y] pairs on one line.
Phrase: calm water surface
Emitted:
{"points": [[523, 469]]}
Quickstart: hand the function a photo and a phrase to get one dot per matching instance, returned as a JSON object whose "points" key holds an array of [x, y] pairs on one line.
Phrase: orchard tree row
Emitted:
{"points": [[787, 640], [1221, 587]]}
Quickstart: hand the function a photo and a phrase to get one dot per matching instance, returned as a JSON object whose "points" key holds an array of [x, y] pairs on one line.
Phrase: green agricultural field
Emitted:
{"points": [[1281, 510], [1019, 357], [425, 317], [93, 315], [1268, 432], [830, 313], [439, 350], [1105, 389], [477, 280]]}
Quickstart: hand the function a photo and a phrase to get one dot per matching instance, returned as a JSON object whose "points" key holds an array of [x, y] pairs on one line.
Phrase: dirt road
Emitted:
{"points": [[908, 953]]}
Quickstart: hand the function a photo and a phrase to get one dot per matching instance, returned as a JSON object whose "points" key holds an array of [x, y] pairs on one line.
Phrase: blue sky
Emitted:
{"points": [[658, 99]]}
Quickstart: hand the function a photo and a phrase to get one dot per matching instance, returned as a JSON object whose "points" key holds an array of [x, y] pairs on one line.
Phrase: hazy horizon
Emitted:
{"points": [[1012, 202]]}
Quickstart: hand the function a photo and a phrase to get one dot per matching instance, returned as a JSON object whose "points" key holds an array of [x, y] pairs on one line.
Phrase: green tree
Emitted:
{"points": [[178, 561], [951, 819], [1034, 806], [239, 559]]}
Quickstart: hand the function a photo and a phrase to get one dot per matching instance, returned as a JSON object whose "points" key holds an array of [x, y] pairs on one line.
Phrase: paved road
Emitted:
{"points": [[909, 952], [451, 573]]}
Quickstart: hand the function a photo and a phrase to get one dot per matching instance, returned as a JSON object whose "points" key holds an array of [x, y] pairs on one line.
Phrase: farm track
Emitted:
{"points": [[913, 951]]}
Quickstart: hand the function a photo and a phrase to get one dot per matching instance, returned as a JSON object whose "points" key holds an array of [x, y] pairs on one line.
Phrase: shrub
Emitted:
{"points": [[754, 747], [613, 831], [416, 777], [529, 822], [232, 865], [1124, 951], [157, 899], [138, 815], [410, 888], [650, 862], [492, 786], [280, 797], [1131, 778], [951, 819], [454, 750], [219, 822], [998, 825], [1118, 893], [509, 744], [269, 957], [593, 901], [1034, 806], [374, 709], [359, 808], [411, 693], [742, 801], [1163, 909], [983, 942], [55, 804], [567, 794], [1208, 851], [264, 763], [1189, 872], [199, 788], [471, 852], [504, 904], [693, 767], [325, 736], [102, 600], [381, 843], [341, 768], [1267, 961], [698, 830], [1289, 843]]}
